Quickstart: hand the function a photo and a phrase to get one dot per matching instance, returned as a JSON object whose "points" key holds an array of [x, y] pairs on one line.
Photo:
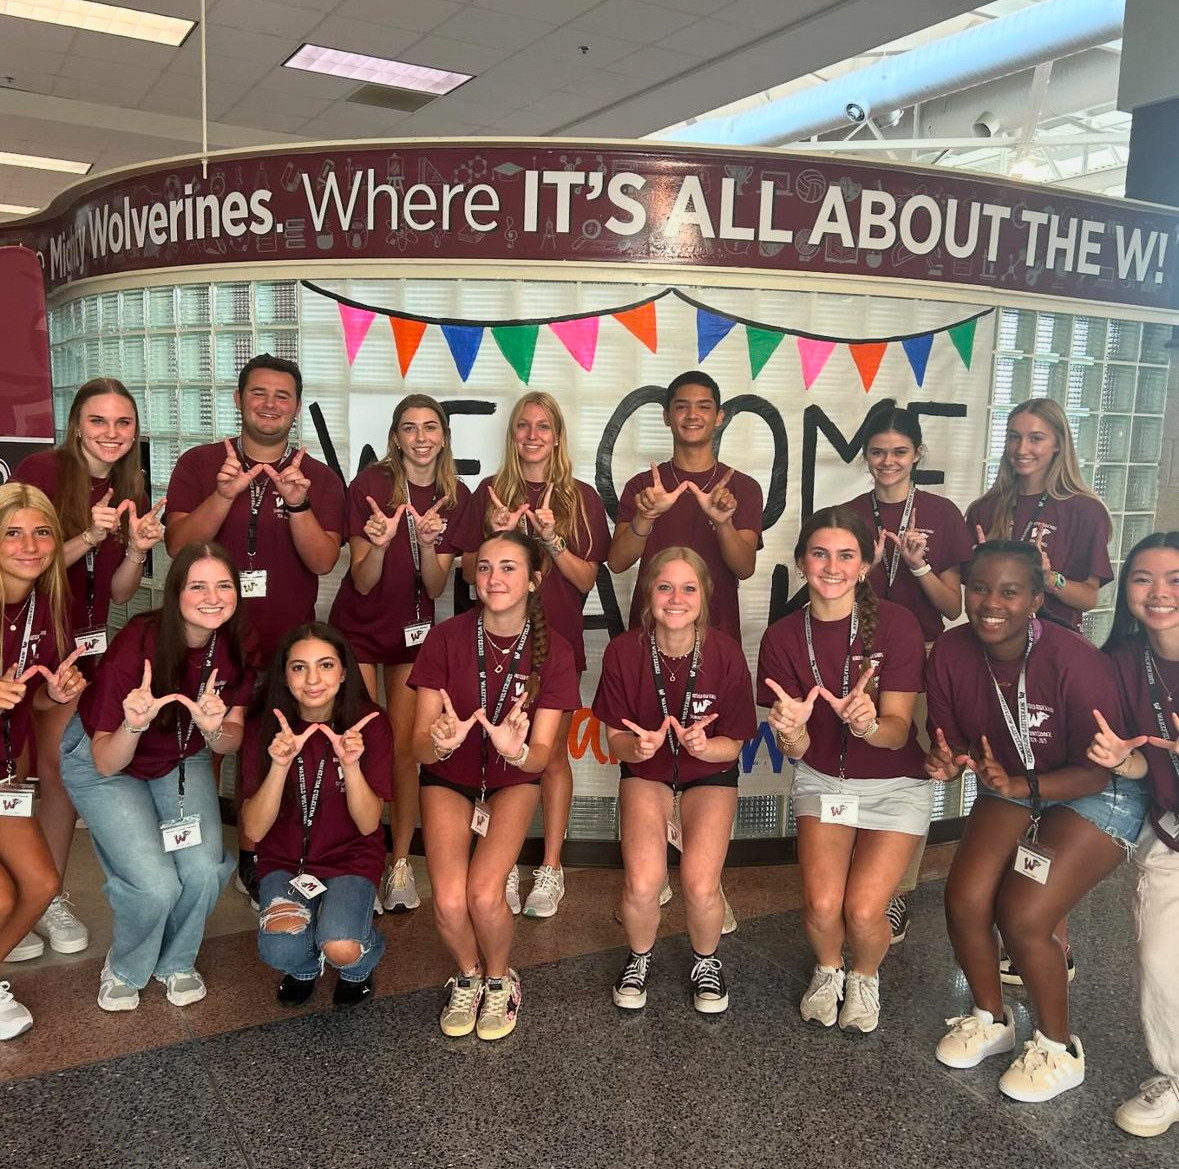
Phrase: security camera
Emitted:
{"points": [[856, 113]]}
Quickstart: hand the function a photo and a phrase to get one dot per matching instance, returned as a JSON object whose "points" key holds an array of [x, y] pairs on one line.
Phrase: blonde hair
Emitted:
{"points": [[52, 583], [1064, 478], [445, 476], [656, 565], [508, 485]]}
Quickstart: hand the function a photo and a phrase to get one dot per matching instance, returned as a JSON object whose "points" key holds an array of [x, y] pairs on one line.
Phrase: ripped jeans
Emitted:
{"points": [[342, 913]]}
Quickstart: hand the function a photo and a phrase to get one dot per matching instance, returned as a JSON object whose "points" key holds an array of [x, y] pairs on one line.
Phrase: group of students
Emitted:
{"points": [[1072, 746]]}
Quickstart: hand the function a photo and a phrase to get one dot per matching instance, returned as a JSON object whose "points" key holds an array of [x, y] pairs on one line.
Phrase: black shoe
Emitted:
{"points": [[246, 880], [898, 920], [348, 994], [1012, 977], [294, 992], [710, 996]]}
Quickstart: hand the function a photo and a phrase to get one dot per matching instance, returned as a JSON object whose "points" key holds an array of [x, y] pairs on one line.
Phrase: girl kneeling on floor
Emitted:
{"points": [[1012, 698], [173, 687], [317, 766], [840, 677], [491, 667], [677, 702]]}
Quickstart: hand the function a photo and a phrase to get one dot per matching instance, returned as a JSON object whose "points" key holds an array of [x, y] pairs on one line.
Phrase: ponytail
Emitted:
{"points": [[869, 616]]}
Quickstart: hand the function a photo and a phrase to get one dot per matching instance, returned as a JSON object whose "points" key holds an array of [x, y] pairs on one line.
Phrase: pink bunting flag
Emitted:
{"points": [[813, 355], [356, 322], [580, 337]]}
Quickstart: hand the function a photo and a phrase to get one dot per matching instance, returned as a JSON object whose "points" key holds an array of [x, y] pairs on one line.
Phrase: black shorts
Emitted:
{"points": [[429, 779], [727, 778]]}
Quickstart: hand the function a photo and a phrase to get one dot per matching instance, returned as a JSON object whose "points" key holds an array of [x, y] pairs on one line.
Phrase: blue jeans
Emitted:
{"points": [[1118, 811], [343, 912], [159, 899]]}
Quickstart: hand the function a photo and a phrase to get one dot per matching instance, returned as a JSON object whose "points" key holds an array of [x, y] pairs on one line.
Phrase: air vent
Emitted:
{"points": [[391, 97]]}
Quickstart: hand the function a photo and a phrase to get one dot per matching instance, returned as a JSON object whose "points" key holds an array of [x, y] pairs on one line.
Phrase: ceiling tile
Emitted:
{"points": [[411, 14], [563, 47], [431, 121], [444, 53], [102, 90], [632, 19], [258, 48], [243, 115], [34, 34], [263, 16], [523, 122], [769, 15], [696, 7], [564, 107], [302, 106], [28, 61], [301, 83], [655, 64], [497, 29], [478, 113], [604, 85], [556, 11], [122, 50], [362, 36], [709, 38], [121, 76], [507, 92]]}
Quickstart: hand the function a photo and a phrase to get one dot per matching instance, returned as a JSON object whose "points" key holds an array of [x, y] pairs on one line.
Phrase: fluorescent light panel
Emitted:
{"points": [[36, 162], [377, 70], [13, 209], [104, 18]]}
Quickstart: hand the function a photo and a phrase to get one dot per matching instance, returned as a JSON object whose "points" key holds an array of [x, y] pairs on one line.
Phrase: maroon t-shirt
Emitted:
{"points": [[449, 660], [41, 650], [949, 544], [43, 470], [563, 601], [1076, 538], [898, 651], [1139, 717], [374, 623], [337, 847], [291, 587], [685, 523], [1067, 679], [121, 671], [626, 690]]}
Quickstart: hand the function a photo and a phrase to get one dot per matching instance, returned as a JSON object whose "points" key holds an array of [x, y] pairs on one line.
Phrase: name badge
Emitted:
{"points": [[839, 809], [16, 800], [675, 835], [480, 819], [309, 885], [1034, 861], [254, 583], [415, 634], [181, 834], [1169, 823], [91, 642]]}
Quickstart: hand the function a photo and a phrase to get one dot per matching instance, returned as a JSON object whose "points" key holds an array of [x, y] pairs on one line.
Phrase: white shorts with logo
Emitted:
{"points": [[885, 805]]}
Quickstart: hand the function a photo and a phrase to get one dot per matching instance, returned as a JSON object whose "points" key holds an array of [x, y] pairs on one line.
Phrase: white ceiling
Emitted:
{"points": [[113, 102]]}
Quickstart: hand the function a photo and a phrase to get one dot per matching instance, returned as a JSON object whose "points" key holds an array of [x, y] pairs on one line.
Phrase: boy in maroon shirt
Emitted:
{"points": [[279, 512], [694, 501]]}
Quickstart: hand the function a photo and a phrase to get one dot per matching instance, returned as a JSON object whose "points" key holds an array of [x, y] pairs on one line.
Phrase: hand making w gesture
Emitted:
{"points": [[286, 744], [542, 519], [692, 738], [788, 716], [349, 747], [647, 742], [232, 478], [720, 503], [379, 528], [1110, 751], [912, 544], [448, 731], [857, 709], [291, 483], [653, 501], [500, 517], [991, 773]]}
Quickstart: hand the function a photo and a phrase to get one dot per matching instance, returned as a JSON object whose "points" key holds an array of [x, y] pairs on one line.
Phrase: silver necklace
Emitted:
{"points": [[20, 613], [707, 486]]}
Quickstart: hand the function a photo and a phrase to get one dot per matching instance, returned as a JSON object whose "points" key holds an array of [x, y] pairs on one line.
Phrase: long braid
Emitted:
{"points": [[539, 643], [869, 618]]}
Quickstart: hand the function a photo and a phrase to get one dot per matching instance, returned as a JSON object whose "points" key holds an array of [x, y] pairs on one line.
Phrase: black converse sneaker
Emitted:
{"points": [[710, 996], [898, 920], [630, 991]]}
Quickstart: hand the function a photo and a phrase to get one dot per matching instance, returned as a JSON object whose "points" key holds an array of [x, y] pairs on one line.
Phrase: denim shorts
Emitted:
{"points": [[1118, 811]]}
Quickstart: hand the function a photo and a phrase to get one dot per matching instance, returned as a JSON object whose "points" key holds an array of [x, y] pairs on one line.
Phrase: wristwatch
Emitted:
{"points": [[1058, 581], [294, 507]]}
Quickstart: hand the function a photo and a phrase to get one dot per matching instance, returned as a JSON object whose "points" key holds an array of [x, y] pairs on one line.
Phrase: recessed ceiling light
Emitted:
{"points": [[106, 18], [13, 209], [36, 162], [375, 70]]}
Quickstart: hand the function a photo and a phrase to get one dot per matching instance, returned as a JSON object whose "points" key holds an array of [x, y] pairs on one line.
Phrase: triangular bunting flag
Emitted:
{"points": [[711, 330], [407, 335], [917, 351], [580, 337], [464, 342], [356, 322], [963, 337], [641, 322], [518, 345], [762, 343], [868, 357], [813, 355]]}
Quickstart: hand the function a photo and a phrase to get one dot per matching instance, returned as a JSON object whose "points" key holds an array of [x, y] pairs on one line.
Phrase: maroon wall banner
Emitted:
{"points": [[759, 210], [26, 405]]}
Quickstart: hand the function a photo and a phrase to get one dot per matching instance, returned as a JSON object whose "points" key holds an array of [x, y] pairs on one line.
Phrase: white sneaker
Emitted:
{"points": [[730, 922], [973, 1037], [30, 946], [113, 993], [1148, 1114], [821, 1002], [1042, 1073], [401, 891], [14, 1018], [548, 887], [665, 893], [66, 934], [513, 889], [184, 988], [861, 1003], [464, 994]]}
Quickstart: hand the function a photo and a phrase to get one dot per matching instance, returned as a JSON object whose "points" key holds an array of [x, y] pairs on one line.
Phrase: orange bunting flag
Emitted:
{"points": [[408, 336], [641, 322], [868, 357]]}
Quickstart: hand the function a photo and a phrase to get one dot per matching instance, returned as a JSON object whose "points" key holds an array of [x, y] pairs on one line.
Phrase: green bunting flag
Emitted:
{"points": [[518, 344], [762, 344], [963, 337]]}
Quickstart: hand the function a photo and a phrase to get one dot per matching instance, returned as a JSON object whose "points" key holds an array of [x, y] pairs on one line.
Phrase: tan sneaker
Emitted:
{"points": [[1040, 1073], [973, 1037], [459, 1012], [501, 1005], [861, 1003]]}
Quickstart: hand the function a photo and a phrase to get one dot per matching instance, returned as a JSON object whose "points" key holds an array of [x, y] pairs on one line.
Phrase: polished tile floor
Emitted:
{"points": [[237, 1081]]}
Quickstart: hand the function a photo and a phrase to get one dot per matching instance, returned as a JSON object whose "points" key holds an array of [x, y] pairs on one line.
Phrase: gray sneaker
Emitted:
{"points": [[512, 890], [401, 890], [184, 988], [548, 887], [821, 1002], [66, 934], [113, 993], [464, 993], [861, 1003]]}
